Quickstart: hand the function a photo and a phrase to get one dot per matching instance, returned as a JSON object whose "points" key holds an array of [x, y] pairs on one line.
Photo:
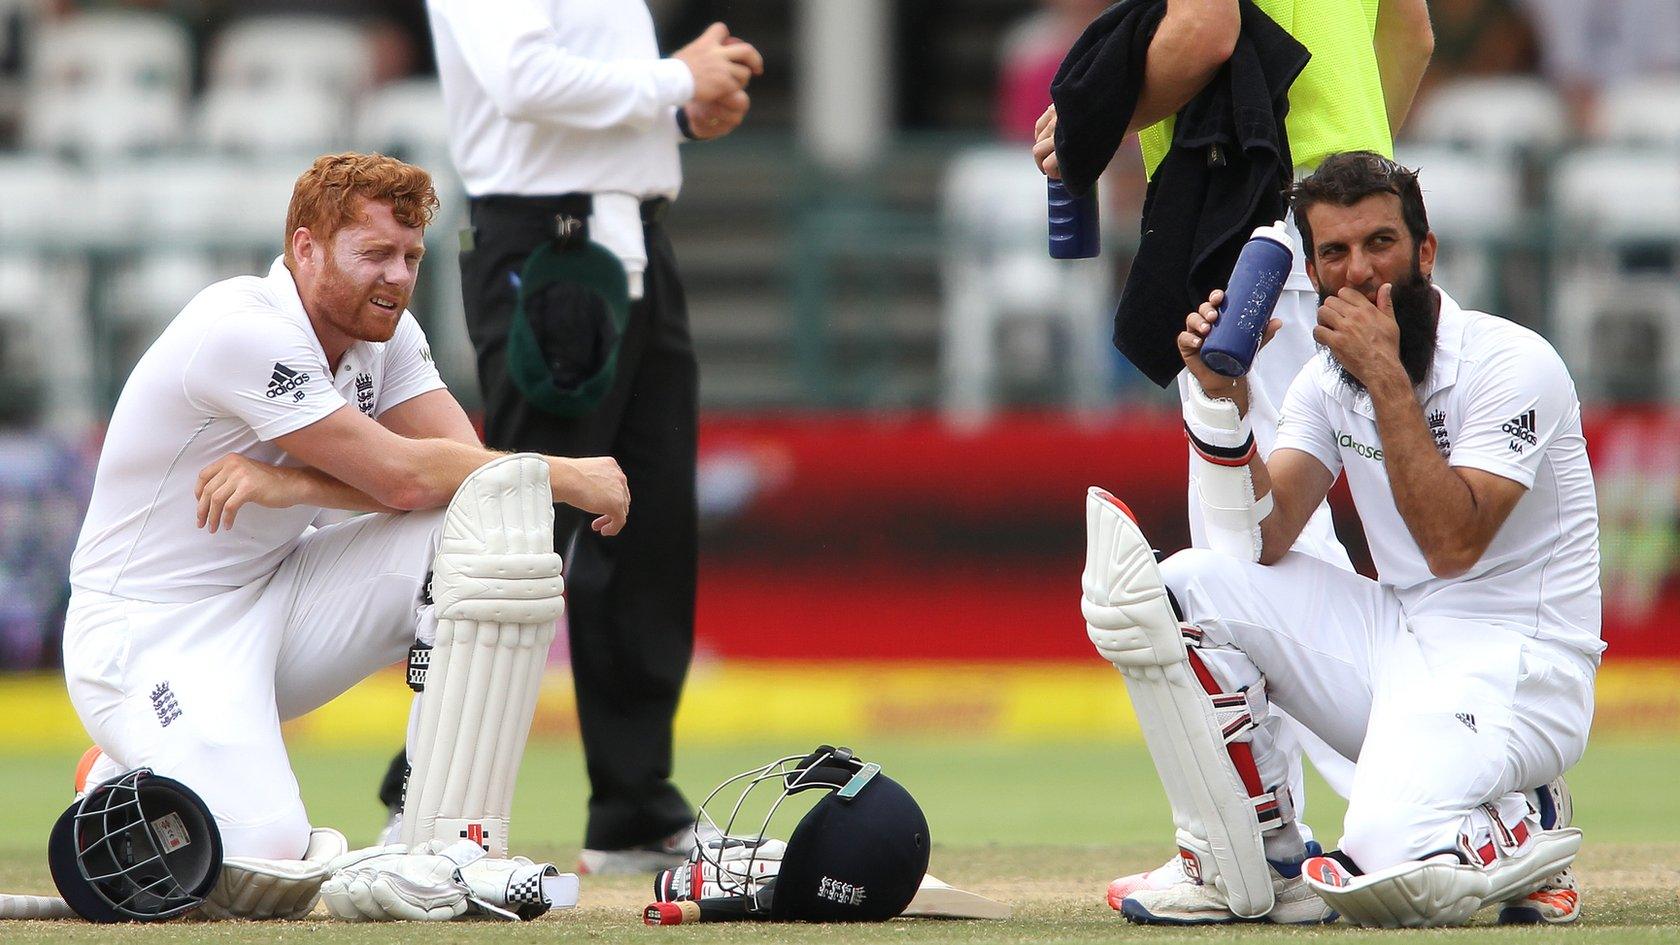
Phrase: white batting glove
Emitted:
{"points": [[382, 886], [518, 888], [353, 858], [722, 867]]}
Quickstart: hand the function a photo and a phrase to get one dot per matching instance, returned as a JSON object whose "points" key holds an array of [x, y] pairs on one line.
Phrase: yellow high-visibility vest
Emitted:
{"points": [[1336, 104]]}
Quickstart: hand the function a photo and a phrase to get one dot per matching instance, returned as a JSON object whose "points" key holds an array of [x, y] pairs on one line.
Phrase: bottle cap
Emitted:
{"points": [[1276, 232]]}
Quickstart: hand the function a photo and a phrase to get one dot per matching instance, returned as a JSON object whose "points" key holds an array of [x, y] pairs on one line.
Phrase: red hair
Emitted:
{"points": [[326, 197]]}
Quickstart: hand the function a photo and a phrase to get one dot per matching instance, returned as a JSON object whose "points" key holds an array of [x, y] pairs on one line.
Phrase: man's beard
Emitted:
{"points": [[342, 302], [1418, 315]]}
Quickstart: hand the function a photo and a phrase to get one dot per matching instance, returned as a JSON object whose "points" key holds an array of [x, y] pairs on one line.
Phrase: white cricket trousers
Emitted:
{"points": [[1440, 714], [197, 691]]}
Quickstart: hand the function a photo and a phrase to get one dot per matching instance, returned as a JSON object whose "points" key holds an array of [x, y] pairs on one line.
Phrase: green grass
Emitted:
{"points": [[1042, 826]]}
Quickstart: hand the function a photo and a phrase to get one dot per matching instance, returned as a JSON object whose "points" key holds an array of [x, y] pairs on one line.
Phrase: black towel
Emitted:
{"points": [[1096, 89], [1224, 175]]}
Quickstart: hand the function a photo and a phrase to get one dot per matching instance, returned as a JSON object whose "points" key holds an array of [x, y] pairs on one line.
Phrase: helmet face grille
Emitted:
{"points": [[857, 853], [144, 846], [742, 826]]}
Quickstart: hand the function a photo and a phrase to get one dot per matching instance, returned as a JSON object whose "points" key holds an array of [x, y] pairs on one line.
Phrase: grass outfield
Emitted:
{"points": [[1039, 825]]}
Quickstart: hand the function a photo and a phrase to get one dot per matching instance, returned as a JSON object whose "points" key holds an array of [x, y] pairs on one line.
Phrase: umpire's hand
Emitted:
{"points": [[708, 120], [722, 65]]}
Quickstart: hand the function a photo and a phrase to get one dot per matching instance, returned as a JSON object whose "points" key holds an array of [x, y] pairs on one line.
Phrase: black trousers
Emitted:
{"points": [[630, 598]]}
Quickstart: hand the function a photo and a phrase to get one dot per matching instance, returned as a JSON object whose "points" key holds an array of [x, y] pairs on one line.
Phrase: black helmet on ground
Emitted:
{"points": [[136, 848]]}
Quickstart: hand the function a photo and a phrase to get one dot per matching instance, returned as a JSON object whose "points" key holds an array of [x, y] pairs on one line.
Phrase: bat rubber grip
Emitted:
{"points": [[671, 913]]}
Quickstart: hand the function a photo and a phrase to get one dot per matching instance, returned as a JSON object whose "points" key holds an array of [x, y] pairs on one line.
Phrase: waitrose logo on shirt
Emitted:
{"points": [[1347, 442]]}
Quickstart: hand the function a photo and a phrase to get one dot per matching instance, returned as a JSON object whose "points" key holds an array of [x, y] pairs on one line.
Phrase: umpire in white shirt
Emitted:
{"points": [[564, 126]]}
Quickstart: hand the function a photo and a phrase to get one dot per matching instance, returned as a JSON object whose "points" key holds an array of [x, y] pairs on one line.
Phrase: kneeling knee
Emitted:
{"points": [[1187, 568], [283, 838]]}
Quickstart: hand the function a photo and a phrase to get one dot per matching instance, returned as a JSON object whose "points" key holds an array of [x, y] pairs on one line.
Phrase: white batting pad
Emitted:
{"points": [[256, 888], [497, 590], [1441, 890], [1131, 622]]}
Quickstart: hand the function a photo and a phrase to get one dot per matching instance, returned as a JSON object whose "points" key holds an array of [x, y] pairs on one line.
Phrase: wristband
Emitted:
{"points": [[683, 125], [1221, 455]]}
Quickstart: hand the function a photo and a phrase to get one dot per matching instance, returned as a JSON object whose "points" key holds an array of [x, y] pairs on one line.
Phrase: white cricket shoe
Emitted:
{"points": [[1167, 874], [671, 852], [1187, 903]]}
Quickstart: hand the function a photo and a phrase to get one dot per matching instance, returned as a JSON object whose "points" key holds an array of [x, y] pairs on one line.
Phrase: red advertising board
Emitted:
{"points": [[868, 537]]}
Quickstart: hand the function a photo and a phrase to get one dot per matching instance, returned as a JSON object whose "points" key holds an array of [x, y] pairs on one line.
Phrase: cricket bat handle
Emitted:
{"points": [[730, 909], [34, 907]]}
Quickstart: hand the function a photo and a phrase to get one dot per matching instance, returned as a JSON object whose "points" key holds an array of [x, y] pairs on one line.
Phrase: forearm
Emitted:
{"points": [[1436, 504], [321, 490], [435, 468], [1279, 530], [568, 480], [1404, 42], [1194, 39]]}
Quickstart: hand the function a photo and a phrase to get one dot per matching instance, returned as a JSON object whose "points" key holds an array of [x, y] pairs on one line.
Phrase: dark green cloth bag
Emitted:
{"points": [[568, 325]]}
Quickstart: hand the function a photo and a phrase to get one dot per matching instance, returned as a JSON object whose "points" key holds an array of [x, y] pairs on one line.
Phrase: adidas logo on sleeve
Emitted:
{"points": [[1521, 427], [287, 381]]}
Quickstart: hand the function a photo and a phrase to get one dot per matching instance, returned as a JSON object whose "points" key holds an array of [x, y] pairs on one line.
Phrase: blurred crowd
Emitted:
{"points": [[1546, 133], [147, 148], [1580, 48], [395, 32]]}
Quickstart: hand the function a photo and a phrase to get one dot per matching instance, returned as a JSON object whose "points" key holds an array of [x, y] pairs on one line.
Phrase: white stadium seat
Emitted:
{"points": [[297, 121], [282, 51], [44, 289], [997, 270], [1612, 194], [1644, 112], [406, 120], [1619, 334], [105, 83], [1474, 204], [1616, 289], [1497, 117], [35, 191], [45, 337], [197, 221]]}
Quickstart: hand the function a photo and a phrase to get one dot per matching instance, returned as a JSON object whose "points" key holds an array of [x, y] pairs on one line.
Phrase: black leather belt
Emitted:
{"points": [[573, 205]]}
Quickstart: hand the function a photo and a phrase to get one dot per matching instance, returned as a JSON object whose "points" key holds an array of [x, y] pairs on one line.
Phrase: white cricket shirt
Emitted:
{"points": [[1498, 398], [238, 367], [547, 97]]}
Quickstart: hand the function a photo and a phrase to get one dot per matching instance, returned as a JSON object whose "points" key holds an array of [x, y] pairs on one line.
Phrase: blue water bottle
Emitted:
{"points": [[1250, 296], [1073, 223]]}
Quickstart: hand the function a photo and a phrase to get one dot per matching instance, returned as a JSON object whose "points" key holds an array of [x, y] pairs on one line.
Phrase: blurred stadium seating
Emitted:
{"points": [[149, 159], [996, 276], [107, 84]]}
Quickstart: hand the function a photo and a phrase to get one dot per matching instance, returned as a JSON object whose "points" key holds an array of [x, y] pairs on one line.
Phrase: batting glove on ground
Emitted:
{"points": [[386, 884]]}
